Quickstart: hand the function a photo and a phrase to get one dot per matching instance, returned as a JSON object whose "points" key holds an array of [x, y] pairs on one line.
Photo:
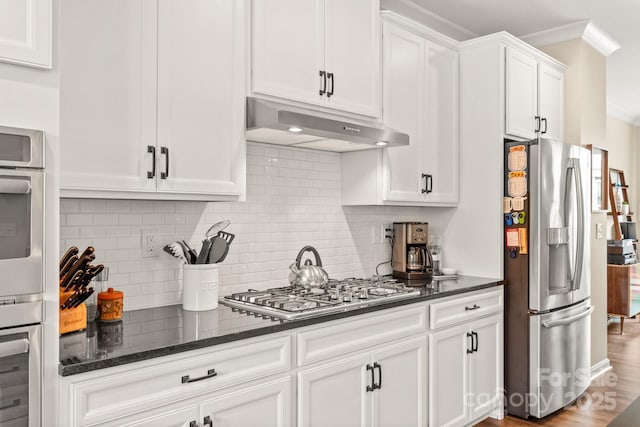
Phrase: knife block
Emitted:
{"points": [[72, 319]]}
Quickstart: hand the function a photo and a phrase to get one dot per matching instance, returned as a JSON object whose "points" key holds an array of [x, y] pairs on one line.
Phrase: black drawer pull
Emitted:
{"points": [[165, 174], [208, 421], [210, 374], [371, 387], [152, 173], [475, 307], [379, 385]]}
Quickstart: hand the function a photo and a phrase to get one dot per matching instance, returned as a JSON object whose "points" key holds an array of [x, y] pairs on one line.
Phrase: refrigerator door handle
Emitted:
{"points": [[573, 168], [576, 279], [567, 320]]}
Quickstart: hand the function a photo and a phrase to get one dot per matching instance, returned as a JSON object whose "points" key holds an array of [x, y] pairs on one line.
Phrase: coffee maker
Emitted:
{"points": [[410, 257]]}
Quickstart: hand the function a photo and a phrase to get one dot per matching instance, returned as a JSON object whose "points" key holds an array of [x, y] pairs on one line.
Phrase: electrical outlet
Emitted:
{"points": [[386, 231], [150, 244]]}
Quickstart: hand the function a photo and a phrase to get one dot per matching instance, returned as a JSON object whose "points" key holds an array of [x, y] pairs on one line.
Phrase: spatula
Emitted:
{"points": [[218, 249]]}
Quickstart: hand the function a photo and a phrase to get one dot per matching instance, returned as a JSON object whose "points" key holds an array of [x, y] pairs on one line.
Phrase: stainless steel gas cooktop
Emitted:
{"points": [[294, 302]]}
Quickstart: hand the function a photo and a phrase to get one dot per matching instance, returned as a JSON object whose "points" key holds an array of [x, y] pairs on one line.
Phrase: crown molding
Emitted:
{"points": [[620, 113], [585, 30], [424, 16]]}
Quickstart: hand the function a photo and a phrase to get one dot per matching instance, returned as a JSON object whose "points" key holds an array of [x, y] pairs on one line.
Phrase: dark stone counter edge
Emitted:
{"points": [[275, 327]]}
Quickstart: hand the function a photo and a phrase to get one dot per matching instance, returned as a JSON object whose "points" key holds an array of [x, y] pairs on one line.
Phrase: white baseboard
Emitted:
{"points": [[600, 368]]}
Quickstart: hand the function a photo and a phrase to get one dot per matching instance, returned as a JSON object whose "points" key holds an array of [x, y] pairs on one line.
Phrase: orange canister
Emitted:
{"points": [[110, 305]]}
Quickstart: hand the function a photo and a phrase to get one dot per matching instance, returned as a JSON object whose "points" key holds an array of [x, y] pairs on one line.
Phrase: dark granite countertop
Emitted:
{"points": [[154, 332]]}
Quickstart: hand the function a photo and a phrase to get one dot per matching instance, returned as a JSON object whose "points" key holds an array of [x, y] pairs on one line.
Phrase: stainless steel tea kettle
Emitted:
{"points": [[308, 275]]}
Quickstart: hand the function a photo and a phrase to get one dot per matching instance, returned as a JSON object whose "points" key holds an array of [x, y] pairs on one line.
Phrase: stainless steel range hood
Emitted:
{"points": [[276, 123]]}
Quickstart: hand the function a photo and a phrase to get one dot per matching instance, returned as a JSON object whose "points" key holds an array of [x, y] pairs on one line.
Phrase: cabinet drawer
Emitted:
{"points": [[327, 340], [465, 308], [119, 393]]}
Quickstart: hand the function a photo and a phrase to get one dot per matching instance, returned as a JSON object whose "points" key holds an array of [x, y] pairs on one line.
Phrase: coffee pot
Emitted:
{"points": [[416, 259]]}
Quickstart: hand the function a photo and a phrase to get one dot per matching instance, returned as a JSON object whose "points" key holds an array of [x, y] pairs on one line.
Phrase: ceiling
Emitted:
{"points": [[617, 18]]}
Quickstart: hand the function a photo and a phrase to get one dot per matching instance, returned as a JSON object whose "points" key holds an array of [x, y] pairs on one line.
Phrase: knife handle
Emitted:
{"points": [[73, 250]]}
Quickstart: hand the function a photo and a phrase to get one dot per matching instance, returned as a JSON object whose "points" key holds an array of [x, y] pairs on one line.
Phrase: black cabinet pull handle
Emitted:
{"points": [[475, 341], [475, 307], [332, 79], [537, 124], [428, 183], [469, 335], [152, 173], [379, 367], [210, 374], [323, 74], [544, 121], [165, 174], [193, 424], [371, 387], [208, 421]]}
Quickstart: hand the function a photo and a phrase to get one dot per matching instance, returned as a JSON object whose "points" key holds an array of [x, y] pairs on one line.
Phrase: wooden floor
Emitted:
{"points": [[609, 394]]}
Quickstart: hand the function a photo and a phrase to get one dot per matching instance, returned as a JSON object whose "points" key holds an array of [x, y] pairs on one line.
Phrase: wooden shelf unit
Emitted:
{"points": [[619, 182]]}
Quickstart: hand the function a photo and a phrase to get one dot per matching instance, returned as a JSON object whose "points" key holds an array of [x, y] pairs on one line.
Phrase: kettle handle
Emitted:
{"points": [[308, 249]]}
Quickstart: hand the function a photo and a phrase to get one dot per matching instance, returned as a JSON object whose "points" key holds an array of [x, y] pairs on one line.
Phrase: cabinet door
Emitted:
{"points": [[108, 94], [352, 55], [441, 150], [449, 376], [334, 394], [201, 96], [551, 101], [25, 32], [263, 405], [486, 366], [404, 71], [287, 47], [402, 397], [521, 80], [178, 417]]}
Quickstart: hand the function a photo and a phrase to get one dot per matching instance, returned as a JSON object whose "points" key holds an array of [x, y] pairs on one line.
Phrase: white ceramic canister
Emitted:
{"points": [[200, 287]]}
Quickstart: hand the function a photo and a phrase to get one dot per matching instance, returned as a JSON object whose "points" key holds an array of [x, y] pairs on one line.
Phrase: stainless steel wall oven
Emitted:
{"points": [[22, 178]]}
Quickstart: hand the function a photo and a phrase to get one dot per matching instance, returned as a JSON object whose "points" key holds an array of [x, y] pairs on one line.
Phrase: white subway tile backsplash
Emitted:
{"points": [[293, 200]]}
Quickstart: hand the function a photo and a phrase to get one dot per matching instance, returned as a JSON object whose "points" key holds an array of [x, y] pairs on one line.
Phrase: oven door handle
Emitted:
{"points": [[15, 186], [11, 348]]}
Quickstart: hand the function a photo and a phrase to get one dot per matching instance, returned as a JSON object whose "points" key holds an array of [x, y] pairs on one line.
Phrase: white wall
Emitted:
{"points": [[293, 199]]}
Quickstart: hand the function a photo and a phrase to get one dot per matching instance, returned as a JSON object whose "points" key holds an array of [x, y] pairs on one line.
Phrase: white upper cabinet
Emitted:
{"points": [[200, 97], [534, 97], [321, 52], [152, 99], [420, 98], [25, 32]]}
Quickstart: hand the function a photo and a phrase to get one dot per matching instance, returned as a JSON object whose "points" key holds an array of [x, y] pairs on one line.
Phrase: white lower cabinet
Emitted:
{"points": [[382, 387], [266, 404], [381, 369], [465, 369]]}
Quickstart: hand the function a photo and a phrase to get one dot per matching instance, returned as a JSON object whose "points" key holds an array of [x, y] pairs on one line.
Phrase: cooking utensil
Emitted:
{"points": [[204, 252], [73, 250], [175, 249], [227, 236], [192, 254], [216, 228], [308, 275], [224, 256], [219, 247]]}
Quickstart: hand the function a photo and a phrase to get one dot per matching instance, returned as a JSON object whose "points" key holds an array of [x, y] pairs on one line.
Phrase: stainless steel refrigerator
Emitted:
{"points": [[547, 272]]}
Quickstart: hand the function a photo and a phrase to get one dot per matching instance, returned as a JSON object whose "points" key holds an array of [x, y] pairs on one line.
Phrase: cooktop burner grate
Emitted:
{"points": [[296, 302]]}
